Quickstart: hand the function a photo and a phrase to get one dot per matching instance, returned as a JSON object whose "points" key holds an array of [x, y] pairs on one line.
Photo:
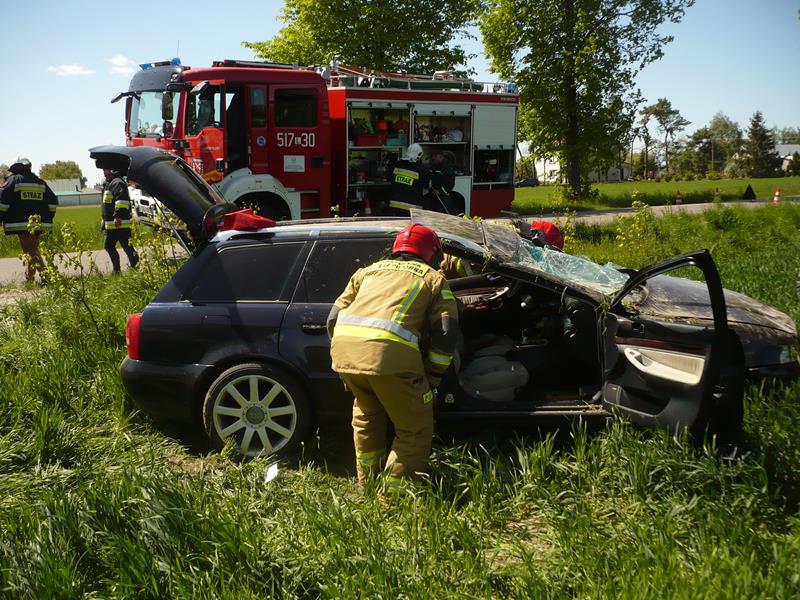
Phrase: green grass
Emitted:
{"points": [[97, 502], [85, 220], [545, 199]]}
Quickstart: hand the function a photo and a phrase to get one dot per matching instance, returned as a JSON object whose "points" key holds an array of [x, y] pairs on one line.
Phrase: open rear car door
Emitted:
{"points": [[675, 375]]}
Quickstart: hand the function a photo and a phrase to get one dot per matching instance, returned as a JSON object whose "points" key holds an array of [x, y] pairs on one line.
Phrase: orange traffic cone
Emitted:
{"points": [[678, 198], [776, 199], [367, 207]]}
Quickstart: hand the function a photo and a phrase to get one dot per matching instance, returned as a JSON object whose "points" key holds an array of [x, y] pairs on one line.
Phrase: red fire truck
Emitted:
{"points": [[313, 142]]}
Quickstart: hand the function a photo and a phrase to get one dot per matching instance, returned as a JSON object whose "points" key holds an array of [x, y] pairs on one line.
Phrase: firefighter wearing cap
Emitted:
{"points": [[117, 213], [394, 330], [23, 196], [409, 180]]}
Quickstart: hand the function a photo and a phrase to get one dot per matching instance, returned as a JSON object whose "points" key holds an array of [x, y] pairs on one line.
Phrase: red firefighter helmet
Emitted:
{"points": [[420, 241], [552, 234]]}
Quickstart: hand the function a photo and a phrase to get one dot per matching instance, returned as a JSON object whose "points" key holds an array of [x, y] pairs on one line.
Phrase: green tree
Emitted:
{"points": [[575, 62], [759, 158], [399, 35], [789, 135], [726, 140], [794, 165], [647, 140], [62, 169], [669, 122]]}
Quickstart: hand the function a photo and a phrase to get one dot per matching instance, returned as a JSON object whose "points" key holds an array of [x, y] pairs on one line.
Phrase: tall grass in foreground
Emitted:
{"points": [[96, 502]]}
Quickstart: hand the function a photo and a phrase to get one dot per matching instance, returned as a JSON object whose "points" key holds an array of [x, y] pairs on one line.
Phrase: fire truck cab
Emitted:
{"points": [[313, 142]]}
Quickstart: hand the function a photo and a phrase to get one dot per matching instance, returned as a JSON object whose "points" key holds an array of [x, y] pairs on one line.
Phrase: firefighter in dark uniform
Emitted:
{"points": [[441, 180], [393, 333], [117, 218], [409, 180], [25, 195]]}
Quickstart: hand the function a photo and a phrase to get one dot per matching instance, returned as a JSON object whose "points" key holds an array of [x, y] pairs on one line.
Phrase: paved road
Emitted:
{"points": [[11, 269], [597, 217]]}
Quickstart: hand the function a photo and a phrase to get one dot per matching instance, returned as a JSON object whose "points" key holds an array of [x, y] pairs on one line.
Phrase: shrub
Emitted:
{"points": [[713, 175], [690, 176]]}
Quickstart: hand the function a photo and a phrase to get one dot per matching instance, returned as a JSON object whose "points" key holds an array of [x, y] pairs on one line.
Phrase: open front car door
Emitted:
{"points": [[673, 374]]}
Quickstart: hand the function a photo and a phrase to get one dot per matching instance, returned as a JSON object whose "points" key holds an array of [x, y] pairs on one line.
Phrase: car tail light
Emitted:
{"points": [[132, 335]]}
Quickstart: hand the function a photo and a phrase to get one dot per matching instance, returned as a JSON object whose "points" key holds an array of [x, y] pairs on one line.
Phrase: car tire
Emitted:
{"points": [[260, 408]]}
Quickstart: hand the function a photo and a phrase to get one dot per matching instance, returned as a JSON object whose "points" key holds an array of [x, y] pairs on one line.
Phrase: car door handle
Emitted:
{"points": [[673, 366], [314, 328]]}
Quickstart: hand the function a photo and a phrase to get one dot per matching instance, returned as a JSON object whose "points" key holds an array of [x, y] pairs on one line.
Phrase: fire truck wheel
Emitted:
{"points": [[271, 206]]}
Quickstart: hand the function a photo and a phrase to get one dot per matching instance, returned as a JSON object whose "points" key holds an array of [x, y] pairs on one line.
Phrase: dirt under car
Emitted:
{"points": [[236, 340]]}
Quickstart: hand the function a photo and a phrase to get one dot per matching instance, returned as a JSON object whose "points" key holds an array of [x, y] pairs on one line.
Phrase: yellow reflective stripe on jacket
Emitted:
{"points": [[30, 191], [370, 458], [440, 358], [376, 323], [4, 207], [124, 224], [427, 396], [108, 197], [408, 300], [371, 333], [24, 226], [406, 172], [447, 294], [122, 204]]}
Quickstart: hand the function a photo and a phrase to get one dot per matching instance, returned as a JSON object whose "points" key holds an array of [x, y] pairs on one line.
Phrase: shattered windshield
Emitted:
{"points": [[503, 242], [577, 269]]}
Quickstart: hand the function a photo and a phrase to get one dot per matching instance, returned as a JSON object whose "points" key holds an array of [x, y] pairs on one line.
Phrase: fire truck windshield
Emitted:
{"points": [[151, 111]]}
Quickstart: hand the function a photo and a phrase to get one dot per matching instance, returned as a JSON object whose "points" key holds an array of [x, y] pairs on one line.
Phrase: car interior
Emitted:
{"points": [[523, 347]]}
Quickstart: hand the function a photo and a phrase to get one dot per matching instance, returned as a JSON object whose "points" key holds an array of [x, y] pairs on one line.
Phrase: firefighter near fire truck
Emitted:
{"points": [[409, 180], [299, 142], [116, 212], [23, 196], [393, 333], [441, 180]]}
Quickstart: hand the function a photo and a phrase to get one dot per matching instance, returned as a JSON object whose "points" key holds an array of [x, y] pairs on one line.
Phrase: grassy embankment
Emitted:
{"points": [[98, 502], [86, 225], [545, 199]]}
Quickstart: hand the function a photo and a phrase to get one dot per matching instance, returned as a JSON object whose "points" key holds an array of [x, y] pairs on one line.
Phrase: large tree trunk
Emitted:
{"points": [[570, 89], [666, 153]]}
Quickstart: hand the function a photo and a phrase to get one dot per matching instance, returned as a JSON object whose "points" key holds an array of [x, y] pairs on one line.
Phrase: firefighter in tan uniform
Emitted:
{"points": [[394, 329]]}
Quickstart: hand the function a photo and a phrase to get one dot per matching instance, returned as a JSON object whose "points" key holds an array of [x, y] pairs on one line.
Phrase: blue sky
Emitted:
{"points": [[735, 56]]}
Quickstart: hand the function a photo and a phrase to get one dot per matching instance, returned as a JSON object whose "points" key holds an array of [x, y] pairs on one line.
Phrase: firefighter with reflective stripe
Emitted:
{"points": [[409, 180], [394, 330], [23, 196], [116, 212]]}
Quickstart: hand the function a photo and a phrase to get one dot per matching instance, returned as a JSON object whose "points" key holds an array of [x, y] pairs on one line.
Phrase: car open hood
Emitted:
{"points": [[677, 298], [168, 179]]}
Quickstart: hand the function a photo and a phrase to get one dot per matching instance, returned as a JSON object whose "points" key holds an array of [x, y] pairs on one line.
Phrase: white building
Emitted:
{"points": [[785, 151], [548, 170]]}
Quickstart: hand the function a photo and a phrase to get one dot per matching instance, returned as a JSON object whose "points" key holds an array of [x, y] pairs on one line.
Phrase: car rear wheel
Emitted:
{"points": [[260, 408]]}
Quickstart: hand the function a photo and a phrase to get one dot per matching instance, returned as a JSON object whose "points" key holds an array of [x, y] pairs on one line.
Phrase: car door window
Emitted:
{"points": [[333, 262], [253, 272]]}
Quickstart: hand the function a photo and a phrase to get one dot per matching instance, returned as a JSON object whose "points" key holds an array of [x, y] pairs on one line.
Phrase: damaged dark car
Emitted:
{"points": [[236, 344]]}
